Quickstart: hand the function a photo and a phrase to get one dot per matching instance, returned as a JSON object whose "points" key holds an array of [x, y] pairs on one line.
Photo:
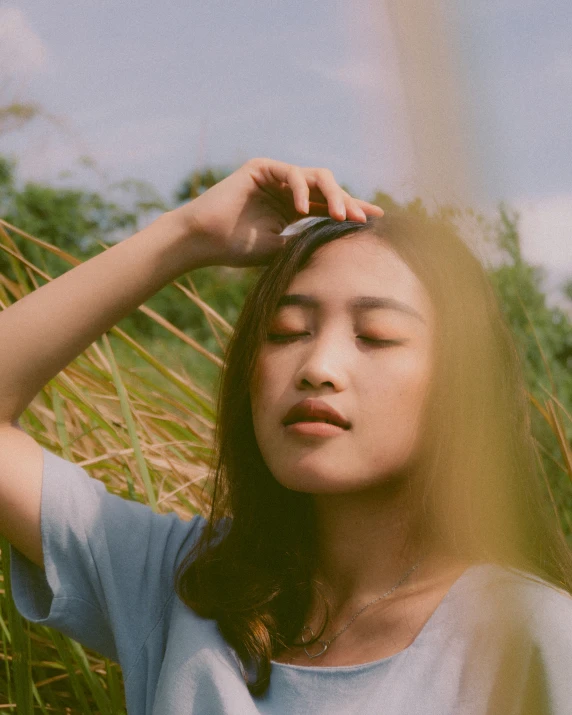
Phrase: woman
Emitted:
{"points": [[377, 541]]}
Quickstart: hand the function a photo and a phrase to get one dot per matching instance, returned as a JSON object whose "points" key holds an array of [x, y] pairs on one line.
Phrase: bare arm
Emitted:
{"points": [[237, 222], [45, 331]]}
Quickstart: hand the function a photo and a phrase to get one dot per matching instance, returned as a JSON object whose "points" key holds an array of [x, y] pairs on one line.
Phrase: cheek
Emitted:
{"points": [[399, 392], [415, 374], [408, 368]]}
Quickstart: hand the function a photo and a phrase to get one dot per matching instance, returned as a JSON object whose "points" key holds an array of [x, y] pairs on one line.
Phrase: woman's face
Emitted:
{"points": [[322, 346]]}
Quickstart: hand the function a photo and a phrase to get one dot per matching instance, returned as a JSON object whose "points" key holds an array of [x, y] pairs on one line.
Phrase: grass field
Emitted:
{"points": [[139, 416]]}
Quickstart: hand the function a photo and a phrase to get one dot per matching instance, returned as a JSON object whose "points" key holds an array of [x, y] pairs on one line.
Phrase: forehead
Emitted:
{"points": [[360, 265]]}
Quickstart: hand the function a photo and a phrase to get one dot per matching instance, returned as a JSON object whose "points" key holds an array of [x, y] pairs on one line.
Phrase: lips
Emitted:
{"points": [[313, 410]]}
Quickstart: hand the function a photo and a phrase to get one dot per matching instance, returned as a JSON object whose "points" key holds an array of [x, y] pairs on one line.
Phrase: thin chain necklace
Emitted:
{"points": [[325, 644]]}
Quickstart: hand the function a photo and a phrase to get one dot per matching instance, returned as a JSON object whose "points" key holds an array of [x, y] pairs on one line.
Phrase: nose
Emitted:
{"points": [[324, 362]]}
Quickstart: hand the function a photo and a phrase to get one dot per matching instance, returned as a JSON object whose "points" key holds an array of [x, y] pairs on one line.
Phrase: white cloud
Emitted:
{"points": [[22, 51]]}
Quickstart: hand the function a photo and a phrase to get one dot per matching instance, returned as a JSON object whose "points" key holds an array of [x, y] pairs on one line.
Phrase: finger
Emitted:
{"points": [[370, 209], [321, 209], [269, 170], [296, 180], [358, 210], [317, 197], [287, 176], [332, 193], [314, 185], [317, 209], [354, 212]]}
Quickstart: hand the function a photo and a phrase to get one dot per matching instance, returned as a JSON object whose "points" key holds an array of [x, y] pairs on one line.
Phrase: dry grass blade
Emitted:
{"points": [[181, 335], [50, 247], [74, 262], [557, 402], [200, 397], [205, 307], [20, 675], [102, 415], [63, 434], [130, 422], [539, 407], [558, 429]]}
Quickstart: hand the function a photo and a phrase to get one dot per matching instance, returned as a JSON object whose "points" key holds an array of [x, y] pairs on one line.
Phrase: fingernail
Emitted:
{"points": [[341, 209], [306, 206]]}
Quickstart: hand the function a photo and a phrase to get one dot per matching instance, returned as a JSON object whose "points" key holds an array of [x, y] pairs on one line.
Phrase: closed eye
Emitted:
{"points": [[283, 338], [379, 342], [289, 337]]}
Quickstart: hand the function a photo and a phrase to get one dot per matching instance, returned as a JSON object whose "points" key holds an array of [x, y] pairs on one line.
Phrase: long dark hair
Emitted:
{"points": [[479, 491]]}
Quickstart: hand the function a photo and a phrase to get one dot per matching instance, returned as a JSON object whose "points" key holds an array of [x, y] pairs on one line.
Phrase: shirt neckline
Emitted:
{"points": [[456, 587]]}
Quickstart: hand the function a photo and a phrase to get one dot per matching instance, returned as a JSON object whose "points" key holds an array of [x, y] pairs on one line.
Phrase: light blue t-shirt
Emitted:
{"points": [[498, 644]]}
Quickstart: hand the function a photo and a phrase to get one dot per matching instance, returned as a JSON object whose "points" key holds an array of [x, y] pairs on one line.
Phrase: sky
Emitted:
{"points": [[153, 90]]}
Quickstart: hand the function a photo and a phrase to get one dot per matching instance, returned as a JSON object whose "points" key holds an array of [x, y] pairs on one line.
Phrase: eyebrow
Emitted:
{"points": [[362, 303]]}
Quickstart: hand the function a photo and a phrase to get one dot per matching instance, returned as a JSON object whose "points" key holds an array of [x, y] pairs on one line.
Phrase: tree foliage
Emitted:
{"points": [[543, 336], [83, 223]]}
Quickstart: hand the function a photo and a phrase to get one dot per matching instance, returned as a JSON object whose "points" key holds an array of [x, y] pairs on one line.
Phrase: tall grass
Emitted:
{"points": [[138, 424], [143, 425]]}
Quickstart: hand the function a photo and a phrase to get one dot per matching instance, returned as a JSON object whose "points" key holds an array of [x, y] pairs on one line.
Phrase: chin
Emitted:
{"points": [[330, 483], [333, 480]]}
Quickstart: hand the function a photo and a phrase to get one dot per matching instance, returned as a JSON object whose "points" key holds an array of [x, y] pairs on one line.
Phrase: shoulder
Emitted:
{"points": [[525, 602], [529, 625], [85, 523], [531, 589], [547, 610]]}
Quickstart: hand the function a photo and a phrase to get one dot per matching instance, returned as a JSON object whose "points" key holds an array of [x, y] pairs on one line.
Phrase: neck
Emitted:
{"points": [[362, 542]]}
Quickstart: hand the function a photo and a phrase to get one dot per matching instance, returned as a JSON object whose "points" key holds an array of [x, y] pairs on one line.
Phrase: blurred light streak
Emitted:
{"points": [[437, 106]]}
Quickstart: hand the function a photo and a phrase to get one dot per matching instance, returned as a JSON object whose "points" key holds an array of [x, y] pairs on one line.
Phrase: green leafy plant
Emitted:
{"points": [[145, 442], [138, 413]]}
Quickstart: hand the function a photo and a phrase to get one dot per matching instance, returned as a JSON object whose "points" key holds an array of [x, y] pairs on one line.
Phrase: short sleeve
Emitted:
{"points": [[109, 563], [551, 626], [532, 633]]}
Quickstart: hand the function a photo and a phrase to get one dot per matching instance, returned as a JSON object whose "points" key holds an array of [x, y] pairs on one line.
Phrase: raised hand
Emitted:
{"points": [[238, 221]]}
